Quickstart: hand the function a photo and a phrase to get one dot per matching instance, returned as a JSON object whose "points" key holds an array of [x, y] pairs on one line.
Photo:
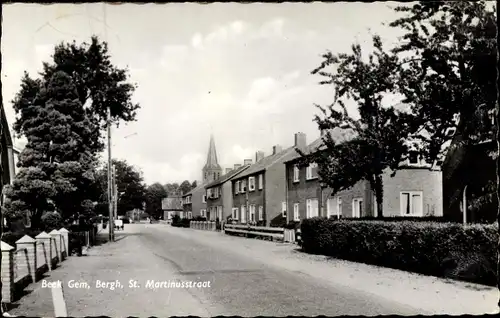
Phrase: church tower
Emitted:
{"points": [[212, 170]]}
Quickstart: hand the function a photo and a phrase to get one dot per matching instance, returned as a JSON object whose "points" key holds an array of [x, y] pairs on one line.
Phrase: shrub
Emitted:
{"points": [[51, 221], [430, 248], [199, 218], [11, 237]]}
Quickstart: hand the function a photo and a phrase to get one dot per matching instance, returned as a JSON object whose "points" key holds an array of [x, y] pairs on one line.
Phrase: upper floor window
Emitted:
{"points": [[296, 173], [251, 183], [413, 158], [237, 187], [261, 182], [312, 171], [243, 185], [204, 199]]}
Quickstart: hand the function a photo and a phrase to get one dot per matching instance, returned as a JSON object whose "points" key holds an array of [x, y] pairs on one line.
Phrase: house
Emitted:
{"points": [[219, 194], [194, 202], [415, 190], [172, 205], [259, 193]]}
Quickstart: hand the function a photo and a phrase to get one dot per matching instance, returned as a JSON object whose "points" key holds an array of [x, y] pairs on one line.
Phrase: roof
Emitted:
{"points": [[201, 186], [5, 127], [212, 162], [337, 134], [268, 161], [171, 203], [227, 176]]}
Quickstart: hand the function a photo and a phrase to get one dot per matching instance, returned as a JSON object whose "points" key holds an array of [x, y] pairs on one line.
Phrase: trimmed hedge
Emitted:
{"points": [[11, 237], [431, 248], [178, 222]]}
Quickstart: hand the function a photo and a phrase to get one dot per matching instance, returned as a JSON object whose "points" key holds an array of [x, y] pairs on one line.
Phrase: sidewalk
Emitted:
{"points": [[432, 294], [111, 262]]}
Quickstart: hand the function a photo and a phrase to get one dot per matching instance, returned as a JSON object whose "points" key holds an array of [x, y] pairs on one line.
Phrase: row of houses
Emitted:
{"points": [[275, 188]]}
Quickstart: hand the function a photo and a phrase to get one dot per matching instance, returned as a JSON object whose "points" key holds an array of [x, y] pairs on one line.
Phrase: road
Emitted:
{"points": [[247, 278]]}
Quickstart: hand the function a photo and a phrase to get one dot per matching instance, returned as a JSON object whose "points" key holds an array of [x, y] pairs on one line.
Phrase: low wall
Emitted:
{"points": [[203, 225]]}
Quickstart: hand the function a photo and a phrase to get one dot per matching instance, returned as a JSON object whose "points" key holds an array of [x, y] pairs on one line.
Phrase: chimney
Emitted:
{"points": [[277, 149], [300, 141], [247, 162], [228, 170], [236, 166], [259, 155]]}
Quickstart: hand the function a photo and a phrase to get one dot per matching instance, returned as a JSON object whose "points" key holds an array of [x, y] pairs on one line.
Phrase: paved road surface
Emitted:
{"points": [[247, 278]]}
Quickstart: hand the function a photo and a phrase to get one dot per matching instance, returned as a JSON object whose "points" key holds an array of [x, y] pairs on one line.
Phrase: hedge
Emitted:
{"points": [[11, 237], [431, 248]]}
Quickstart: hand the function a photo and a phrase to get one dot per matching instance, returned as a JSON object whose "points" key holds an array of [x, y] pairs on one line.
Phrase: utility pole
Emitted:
{"points": [[110, 183], [115, 194]]}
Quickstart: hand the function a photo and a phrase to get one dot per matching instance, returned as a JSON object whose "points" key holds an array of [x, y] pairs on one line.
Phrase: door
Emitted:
{"points": [[243, 214]]}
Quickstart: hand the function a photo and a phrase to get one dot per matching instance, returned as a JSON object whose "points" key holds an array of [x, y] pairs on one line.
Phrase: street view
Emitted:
{"points": [[256, 159]]}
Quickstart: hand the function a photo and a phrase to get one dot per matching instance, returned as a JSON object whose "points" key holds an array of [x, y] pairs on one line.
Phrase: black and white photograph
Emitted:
{"points": [[249, 159]]}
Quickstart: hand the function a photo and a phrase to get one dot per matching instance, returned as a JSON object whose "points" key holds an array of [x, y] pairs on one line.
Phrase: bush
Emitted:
{"points": [[51, 221], [199, 218], [178, 222], [11, 237], [430, 248]]}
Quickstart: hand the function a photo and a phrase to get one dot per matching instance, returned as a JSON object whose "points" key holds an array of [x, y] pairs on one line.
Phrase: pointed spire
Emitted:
{"points": [[212, 155]]}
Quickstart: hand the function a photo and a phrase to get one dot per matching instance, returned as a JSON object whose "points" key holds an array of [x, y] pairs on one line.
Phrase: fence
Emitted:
{"points": [[203, 225], [31, 258]]}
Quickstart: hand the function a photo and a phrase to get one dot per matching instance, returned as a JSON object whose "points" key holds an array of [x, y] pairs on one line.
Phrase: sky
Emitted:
{"points": [[239, 71]]}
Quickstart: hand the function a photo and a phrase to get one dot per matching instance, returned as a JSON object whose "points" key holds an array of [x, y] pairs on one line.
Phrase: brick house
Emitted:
{"points": [[259, 193], [219, 194], [415, 190], [195, 202], [172, 205]]}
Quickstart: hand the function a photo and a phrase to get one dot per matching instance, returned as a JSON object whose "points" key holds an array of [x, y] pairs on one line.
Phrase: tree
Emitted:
{"points": [[379, 135], [194, 184], [130, 187], [56, 164], [171, 187], [154, 195], [185, 187], [99, 85]]}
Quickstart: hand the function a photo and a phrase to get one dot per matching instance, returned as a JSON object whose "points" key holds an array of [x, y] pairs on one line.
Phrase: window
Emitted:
{"points": [[215, 175], [237, 187], [244, 185], [357, 207], [296, 173], [339, 207], [413, 158], [296, 216], [283, 208], [219, 212], [311, 208], [261, 182], [251, 183], [411, 203], [312, 171], [261, 213], [204, 199], [252, 213], [190, 215], [235, 213], [181, 215], [243, 214], [375, 207], [209, 193]]}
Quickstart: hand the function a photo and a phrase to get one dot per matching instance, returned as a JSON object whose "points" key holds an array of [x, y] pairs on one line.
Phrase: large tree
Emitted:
{"points": [[185, 187], [99, 85], [130, 187], [378, 132], [56, 164], [155, 193]]}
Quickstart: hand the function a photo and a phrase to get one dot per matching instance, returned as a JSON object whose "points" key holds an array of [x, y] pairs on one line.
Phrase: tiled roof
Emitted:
{"points": [[201, 186], [269, 161], [226, 177], [337, 134], [171, 203]]}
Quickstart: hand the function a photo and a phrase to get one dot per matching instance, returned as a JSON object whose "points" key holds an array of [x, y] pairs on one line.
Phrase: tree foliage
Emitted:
{"points": [[378, 132], [130, 187], [99, 85], [155, 193], [56, 164], [185, 187]]}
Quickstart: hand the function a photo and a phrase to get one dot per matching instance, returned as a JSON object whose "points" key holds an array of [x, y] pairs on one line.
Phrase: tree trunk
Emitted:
{"points": [[379, 196], [1, 202]]}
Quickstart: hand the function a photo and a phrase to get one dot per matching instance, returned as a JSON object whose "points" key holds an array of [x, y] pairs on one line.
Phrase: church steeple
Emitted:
{"points": [[212, 170]]}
